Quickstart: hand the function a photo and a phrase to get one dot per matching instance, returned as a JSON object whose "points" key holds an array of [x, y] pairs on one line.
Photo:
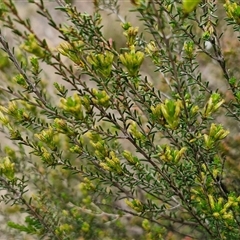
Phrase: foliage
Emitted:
{"points": [[107, 152]]}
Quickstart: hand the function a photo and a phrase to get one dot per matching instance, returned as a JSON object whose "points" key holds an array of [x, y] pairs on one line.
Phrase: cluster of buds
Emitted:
{"points": [[86, 185], [170, 155], [135, 204], [17, 114], [107, 158], [205, 171], [13, 110], [76, 149], [130, 33], [221, 210], [135, 132], [46, 156], [132, 160], [153, 52], [151, 48], [233, 11], [168, 113], [101, 63], [73, 51], [212, 105], [196, 194], [85, 227], [61, 125], [132, 60], [188, 48], [112, 164], [206, 178], [31, 45], [146, 225], [49, 137], [73, 105], [96, 144], [63, 229], [100, 98], [216, 133], [3, 118], [7, 168]]}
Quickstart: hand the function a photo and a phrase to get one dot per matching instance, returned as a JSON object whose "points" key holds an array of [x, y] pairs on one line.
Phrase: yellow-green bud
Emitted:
{"points": [[189, 5], [132, 61], [7, 168]]}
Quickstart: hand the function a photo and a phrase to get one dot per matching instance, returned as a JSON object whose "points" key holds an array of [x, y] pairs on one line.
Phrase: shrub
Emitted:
{"points": [[131, 142]]}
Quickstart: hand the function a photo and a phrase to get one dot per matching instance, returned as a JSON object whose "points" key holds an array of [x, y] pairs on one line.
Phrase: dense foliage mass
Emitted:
{"points": [[136, 139]]}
